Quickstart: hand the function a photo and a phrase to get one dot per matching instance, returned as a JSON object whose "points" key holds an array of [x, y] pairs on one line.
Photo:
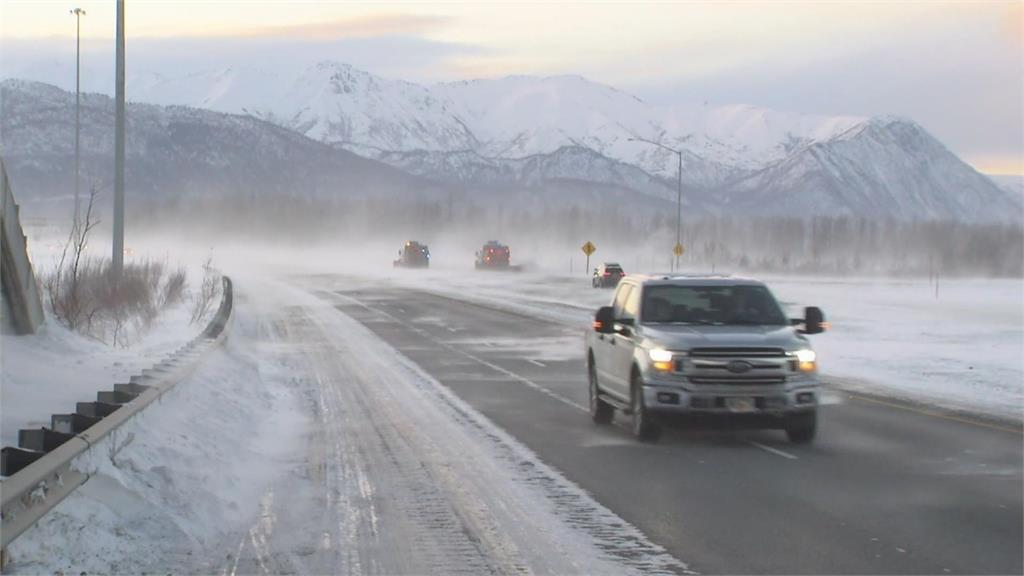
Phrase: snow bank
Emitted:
{"points": [[47, 372], [180, 475]]}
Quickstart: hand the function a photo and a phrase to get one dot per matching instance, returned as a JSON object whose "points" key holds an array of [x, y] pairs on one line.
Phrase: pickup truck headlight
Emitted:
{"points": [[661, 359], [807, 360]]}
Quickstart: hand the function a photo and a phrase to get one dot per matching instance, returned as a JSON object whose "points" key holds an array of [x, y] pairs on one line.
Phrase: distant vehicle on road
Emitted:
{"points": [[493, 256], [413, 255], [676, 350], [607, 275]]}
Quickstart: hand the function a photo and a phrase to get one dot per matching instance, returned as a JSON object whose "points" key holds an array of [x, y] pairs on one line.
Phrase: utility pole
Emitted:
{"points": [[677, 249], [78, 12], [679, 210], [117, 263]]}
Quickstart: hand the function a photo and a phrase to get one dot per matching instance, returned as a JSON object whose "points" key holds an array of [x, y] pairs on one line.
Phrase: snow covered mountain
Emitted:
{"points": [[881, 168], [523, 130], [173, 151], [526, 131], [510, 118]]}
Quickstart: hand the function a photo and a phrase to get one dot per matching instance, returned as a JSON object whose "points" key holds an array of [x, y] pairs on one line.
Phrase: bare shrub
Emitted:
{"points": [[116, 311], [202, 301], [130, 305], [84, 295], [63, 286], [174, 288]]}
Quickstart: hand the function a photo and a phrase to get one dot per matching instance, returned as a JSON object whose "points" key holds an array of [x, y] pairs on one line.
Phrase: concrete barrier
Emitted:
{"points": [[22, 310]]}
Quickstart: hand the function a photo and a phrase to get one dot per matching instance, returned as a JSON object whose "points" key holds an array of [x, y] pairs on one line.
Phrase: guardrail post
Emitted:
{"points": [[14, 459], [42, 439], [71, 423]]}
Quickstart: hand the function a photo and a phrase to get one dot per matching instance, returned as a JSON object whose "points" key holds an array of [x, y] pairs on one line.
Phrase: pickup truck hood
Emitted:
{"points": [[680, 337]]}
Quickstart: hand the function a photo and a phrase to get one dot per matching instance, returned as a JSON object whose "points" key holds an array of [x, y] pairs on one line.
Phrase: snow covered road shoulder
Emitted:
{"points": [[177, 478], [404, 477]]}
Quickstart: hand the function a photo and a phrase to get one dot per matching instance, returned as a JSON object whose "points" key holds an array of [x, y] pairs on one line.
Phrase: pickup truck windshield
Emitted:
{"points": [[714, 305]]}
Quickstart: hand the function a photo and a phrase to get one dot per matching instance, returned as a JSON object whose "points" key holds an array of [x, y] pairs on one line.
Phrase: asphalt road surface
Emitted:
{"points": [[886, 488]]}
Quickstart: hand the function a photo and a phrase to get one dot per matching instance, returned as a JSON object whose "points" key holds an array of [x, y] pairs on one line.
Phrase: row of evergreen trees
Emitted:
{"points": [[834, 245]]}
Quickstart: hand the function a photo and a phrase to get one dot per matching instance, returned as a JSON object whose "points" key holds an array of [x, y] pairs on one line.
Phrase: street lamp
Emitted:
{"points": [[679, 198], [117, 258], [78, 12]]}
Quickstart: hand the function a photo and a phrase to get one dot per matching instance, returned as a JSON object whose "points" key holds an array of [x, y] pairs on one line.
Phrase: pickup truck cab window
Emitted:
{"points": [[721, 305], [631, 307], [619, 303]]}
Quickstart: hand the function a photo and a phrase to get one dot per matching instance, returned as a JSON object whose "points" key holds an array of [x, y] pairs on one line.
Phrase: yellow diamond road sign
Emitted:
{"points": [[678, 250], [589, 248]]}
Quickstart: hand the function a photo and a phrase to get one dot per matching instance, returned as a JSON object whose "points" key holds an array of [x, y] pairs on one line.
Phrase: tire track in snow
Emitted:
{"points": [[617, 540]]}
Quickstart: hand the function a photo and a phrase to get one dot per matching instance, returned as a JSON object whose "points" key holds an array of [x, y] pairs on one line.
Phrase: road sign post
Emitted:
{"points": [[678, 251], [588, 249]]}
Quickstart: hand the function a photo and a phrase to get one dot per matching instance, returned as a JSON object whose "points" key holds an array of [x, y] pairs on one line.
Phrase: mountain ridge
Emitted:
{"points": [[523, 131]]}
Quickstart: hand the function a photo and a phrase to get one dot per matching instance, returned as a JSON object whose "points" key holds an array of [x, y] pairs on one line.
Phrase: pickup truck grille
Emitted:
{"points": [[737, 353], [735, 366], [739, 380]]}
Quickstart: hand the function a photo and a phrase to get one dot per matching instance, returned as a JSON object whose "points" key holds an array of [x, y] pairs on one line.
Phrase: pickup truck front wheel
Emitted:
{"points": [[802, 428], [601, 412], [644, 428]]}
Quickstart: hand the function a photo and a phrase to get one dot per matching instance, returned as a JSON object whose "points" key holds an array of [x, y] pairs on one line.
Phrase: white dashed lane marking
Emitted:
{"points": [[775, 451]]}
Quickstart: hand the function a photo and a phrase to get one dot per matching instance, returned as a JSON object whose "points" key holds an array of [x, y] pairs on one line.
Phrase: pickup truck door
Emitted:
{"points": [[605, 346], [625, 339]]}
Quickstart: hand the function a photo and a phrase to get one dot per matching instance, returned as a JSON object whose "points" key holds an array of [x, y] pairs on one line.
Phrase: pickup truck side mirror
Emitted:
{"points": [[604, 320], [814, 320], [625, 326]]}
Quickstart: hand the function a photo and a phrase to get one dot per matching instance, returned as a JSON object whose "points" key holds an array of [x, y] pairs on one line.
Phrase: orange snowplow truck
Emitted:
{"points": [[494, 255], [413, 255]]}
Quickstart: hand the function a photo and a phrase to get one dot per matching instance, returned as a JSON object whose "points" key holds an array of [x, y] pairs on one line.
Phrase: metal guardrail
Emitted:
{"points": [[28, 494]]}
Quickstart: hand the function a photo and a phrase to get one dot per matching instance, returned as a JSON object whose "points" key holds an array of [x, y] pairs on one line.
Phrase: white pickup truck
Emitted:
{"points": [[683, 349]]}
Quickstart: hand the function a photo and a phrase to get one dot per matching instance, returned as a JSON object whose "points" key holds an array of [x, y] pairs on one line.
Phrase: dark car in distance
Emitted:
{"points": [[607, 275]]}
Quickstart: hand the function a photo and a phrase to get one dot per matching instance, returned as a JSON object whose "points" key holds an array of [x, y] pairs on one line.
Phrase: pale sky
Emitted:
{"points": [[957, 68]]}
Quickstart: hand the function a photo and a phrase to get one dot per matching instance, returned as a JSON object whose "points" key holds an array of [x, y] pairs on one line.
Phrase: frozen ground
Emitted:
{"points": [[310, 446], [962, 349]]}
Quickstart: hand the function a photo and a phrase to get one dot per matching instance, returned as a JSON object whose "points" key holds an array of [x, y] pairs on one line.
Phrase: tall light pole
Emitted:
{"points": [[78, 12], [677, 249], [117, 262]]}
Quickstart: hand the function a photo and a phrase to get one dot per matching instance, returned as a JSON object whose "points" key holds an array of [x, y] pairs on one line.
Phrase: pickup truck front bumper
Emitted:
{"points": [[759, 406]]}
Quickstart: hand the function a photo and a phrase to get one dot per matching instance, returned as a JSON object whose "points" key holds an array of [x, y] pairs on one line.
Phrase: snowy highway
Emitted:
{"points": [[363, 425], [512, 288], [887, 488]]}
